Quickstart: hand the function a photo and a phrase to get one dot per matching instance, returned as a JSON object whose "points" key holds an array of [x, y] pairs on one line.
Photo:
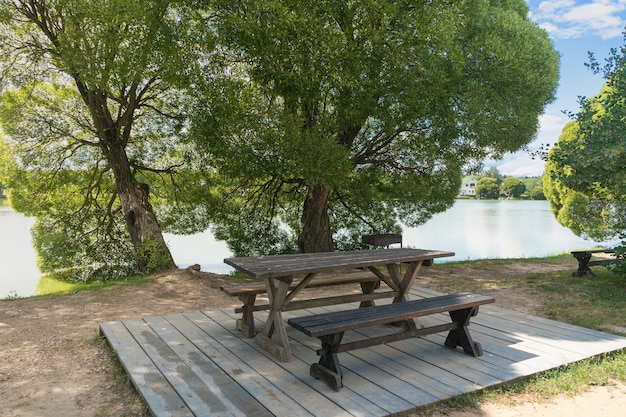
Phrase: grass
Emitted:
{"points": [[597, 302], [569, 380], [64, 288]]}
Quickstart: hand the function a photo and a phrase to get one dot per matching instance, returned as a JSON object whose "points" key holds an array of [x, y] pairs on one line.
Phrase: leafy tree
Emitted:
{"points": [[493, 172], [487, 187], [344, 118], [585, 180], [94, 120], [536, 193], [513, 187]]}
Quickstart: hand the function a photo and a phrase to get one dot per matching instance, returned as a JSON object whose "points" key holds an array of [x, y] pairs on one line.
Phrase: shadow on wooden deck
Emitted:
{"points": [[197, 364]]}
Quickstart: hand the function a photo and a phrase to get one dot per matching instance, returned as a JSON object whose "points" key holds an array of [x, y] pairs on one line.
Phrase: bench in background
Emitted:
{"points": [[330, 328], [585, 261]]}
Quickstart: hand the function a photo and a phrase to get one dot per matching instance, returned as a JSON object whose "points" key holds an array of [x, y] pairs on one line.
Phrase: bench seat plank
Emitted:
{"points": [[341, 321], [319, 281]]}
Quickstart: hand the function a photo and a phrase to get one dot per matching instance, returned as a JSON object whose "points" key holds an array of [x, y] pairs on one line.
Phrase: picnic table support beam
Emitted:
{"points": [[246, 322], [404, 283], [277, 296]]}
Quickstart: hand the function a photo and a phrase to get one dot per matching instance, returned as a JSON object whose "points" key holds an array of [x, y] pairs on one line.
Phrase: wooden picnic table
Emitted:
{"points": [[278, 272]]}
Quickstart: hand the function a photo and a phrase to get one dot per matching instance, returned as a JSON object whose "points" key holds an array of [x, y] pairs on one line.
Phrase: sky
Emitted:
{"points": [[576, 28]]}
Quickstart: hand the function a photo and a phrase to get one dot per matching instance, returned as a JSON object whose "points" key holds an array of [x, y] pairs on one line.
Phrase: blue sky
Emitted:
{"points": [[576, 27]]}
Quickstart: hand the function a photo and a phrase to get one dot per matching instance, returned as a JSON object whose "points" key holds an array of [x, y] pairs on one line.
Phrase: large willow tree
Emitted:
{"points": [[347, 117], [94, 120]]}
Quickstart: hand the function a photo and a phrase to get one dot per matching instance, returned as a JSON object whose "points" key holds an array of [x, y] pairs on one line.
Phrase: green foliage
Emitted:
{"points": [[585, 179], [536, 193], [487, 187], [579, 198], [93, 108], [493, 172], [620, 253], [381, 102], [513, 187]]}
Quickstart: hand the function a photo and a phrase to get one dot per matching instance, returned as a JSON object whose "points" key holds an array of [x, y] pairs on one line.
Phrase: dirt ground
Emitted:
{"points": [[53, 362]]}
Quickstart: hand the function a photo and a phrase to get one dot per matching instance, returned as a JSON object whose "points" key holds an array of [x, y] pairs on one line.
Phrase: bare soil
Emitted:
{"points": [[53, 361]]}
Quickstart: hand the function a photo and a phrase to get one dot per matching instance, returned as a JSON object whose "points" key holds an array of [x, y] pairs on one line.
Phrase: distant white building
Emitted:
{"points": [[468, 188]]}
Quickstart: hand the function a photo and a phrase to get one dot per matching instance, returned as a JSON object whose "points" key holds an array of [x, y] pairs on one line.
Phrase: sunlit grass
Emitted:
{"points": [[48, 285], [597, 302]]}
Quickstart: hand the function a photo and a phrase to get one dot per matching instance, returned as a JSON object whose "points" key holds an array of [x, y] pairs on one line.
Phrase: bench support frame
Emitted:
{"points": [[585, 263], [328, 369]]}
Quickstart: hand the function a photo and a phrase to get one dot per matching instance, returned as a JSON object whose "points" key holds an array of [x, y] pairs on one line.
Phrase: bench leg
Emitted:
{"points": [[328, 369], [461, 335], [583, 265], [246, 322]]}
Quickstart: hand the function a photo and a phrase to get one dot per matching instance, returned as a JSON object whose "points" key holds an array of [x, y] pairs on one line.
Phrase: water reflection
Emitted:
{"points": [[495, 229], [472, 229]]}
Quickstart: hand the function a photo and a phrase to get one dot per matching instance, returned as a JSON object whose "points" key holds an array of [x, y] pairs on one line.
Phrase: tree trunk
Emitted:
{"points": [[151, 251], [315, 235], [141, 223]]}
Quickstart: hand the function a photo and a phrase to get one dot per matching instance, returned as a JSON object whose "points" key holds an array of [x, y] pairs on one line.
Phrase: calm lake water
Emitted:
{"points": [[473, 229]]}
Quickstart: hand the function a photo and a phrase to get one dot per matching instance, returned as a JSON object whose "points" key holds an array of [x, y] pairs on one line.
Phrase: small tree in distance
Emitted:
{"points": [[487, 188], [513, 187]]}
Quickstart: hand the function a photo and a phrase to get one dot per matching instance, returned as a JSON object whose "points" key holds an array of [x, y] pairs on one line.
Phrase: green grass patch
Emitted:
{"points": [[597, 302], [568, 380]]}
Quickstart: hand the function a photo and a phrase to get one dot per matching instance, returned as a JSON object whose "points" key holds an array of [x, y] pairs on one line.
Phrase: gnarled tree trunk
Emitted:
{"points": [[141, 223], [315, 235], [152, 253]]}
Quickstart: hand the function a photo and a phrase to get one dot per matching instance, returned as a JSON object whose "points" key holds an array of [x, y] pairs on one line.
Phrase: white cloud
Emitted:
{"points": [[570, 19], [552, 122]]}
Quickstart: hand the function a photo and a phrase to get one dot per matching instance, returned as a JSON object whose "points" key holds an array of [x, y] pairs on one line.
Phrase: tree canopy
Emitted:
{"points": [[487, 187], [346, 118], [92, 110], [513, 187], [585, 180]]}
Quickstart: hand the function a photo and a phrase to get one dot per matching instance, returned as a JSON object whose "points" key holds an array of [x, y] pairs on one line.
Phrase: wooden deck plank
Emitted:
{"points": [[303, 349], [200, 400], [221, 389], [248, 366], [160, 397], [276, 373], [233, 375], [347, 404]]}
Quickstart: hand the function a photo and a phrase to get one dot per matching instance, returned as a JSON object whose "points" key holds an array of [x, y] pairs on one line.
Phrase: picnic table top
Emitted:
{"points": [[274, 266]]}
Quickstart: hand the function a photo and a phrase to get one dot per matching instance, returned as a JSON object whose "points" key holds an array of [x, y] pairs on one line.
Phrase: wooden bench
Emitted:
{"points": [[385, 240], [585, 262], [247, 294], [330, 328]]}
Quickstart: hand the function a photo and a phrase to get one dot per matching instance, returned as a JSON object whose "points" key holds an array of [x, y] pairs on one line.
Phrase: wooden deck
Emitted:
{"points": [[198, 364]]}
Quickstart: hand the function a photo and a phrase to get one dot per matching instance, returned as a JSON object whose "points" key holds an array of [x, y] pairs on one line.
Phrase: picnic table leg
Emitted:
{"points": [[404, 283], [274, 322], [368, 288], [246, 322]]}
